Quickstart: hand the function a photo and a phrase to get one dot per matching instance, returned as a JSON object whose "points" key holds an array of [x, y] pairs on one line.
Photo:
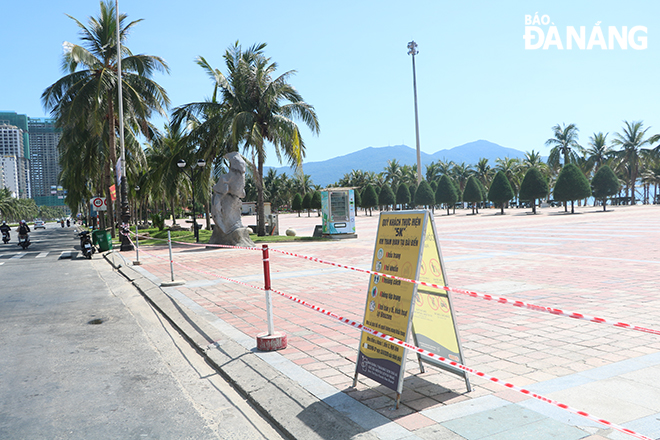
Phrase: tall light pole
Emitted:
{"points": [[200, 164], [412, 50], [123, 191]]}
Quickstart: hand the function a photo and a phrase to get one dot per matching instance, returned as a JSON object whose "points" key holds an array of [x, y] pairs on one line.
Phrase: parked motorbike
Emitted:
{"points": [[5, 237], [23, 241], [86, 244]]}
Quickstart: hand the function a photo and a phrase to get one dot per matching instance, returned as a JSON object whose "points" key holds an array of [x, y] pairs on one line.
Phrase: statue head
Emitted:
{"points": [[236, 162]]}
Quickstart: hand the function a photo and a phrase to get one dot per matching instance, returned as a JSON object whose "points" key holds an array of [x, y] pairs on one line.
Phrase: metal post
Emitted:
{"points": [[192, 186], [171, 283], [137, 247], [412, 46], [269, 302], [169, 244]]}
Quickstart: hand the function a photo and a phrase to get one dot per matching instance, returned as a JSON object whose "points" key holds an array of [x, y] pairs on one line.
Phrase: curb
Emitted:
{"points": [[286, 404]]}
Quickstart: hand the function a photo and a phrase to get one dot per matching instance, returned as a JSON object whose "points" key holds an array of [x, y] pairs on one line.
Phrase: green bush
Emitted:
{"points": [[446, 192], [158, 221], [534, 186], [500, 190], [571, 185], [424, 195], [604, 184], [472, 192]]}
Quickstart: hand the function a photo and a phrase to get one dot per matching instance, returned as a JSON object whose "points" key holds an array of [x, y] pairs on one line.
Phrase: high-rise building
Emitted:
{"points": [[15, 153], [44, 162]]}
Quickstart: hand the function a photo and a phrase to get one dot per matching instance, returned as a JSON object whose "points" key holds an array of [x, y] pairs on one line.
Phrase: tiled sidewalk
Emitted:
{"points": [[602, 264]]}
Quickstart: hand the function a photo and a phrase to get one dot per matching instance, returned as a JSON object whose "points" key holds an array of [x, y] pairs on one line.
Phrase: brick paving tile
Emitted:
{"points": [[415, 421], [569, 265]]}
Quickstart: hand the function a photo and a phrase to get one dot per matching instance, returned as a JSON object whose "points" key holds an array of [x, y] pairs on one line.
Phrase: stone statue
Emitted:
{"points": [[226, 205]]}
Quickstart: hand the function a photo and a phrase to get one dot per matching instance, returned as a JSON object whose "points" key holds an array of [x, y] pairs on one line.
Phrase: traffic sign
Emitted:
{"points": [[99, 204]]}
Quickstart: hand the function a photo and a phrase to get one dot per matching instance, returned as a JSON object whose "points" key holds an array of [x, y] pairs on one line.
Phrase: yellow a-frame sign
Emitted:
{"points": [[406, 246]]}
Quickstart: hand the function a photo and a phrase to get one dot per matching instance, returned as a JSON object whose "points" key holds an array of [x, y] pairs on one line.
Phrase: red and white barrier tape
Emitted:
{"points": [[499, 299], [431, 355]]}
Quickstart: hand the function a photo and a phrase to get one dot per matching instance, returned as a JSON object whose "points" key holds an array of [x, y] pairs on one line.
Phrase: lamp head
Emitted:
{"points": [[201, 163], [181, 163]]}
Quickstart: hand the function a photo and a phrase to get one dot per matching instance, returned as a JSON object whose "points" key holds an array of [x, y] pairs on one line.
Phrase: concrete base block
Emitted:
{"points": [[276, 341]]}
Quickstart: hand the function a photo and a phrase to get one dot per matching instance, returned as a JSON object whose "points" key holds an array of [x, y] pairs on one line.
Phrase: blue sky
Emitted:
{"points": [[475, 78]]}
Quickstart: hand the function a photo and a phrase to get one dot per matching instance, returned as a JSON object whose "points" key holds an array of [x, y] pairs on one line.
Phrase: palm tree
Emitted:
{"points": [[84, 101], [461, 173], [483, 172], [598, 152], [251, 112], [631, 141], [166, 178], [564, 141], [393, 172], [512, 169]]}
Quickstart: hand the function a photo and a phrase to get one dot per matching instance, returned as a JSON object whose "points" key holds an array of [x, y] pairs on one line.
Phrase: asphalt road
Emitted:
{"points": [[82, 355]]}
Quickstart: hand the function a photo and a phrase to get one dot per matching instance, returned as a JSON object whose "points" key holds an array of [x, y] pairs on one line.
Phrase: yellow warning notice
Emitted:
{"points": [[433, 321], [389, 302]]}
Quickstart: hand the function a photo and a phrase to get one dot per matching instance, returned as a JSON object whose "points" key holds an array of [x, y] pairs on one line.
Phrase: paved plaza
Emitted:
{"points": [[605, 264]]}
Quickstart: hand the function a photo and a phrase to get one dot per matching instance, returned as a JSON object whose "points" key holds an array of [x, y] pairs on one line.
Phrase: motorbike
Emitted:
{"points": [[68, 223], [23, 241], [62, 223], [86, 244], [5, 237]]}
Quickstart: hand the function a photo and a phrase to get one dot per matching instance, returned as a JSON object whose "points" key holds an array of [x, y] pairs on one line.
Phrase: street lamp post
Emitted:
{"points": [[412, 50], [123, 191], [199, 166]]}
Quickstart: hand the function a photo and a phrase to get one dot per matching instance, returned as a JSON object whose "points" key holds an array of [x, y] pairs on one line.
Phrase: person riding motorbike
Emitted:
{"points": [[5, 229], [23, 228], [23, 239]]}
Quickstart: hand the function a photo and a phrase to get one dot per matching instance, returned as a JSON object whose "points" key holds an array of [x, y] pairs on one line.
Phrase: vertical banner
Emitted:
{"points": [[389, 305], [434, 324]]}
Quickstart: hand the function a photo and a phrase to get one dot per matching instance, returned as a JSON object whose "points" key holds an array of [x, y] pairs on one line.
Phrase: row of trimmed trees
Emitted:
{"points": [[571, 185]]}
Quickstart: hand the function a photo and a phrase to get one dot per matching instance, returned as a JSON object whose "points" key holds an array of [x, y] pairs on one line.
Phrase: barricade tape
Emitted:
{"points": [[484, 296], [499, 299], [429, 354]]}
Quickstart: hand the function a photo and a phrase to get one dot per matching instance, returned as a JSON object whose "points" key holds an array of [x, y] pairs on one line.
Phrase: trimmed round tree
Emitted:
{"points": [[446, 192], [472, 193], [307, 202], [413, 190], [534, 186], [386, 196], [571, 185], [402, 195], [500, 190], [358, 199], [604, 184], [317, 201], [424, 195], [369, 198], [296, 203]]}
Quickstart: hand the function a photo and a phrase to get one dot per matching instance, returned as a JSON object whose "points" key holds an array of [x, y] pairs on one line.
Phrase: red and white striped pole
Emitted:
{"points": [[270, 340]]}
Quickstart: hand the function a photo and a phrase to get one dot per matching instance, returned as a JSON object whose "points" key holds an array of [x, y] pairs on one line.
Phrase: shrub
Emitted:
{"points": [[500, 190], [534, 186], [604, 184], [571, 185]]}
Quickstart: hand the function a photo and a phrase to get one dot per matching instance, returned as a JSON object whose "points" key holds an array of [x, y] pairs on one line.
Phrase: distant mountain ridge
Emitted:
{"points": [[375, 159]]}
